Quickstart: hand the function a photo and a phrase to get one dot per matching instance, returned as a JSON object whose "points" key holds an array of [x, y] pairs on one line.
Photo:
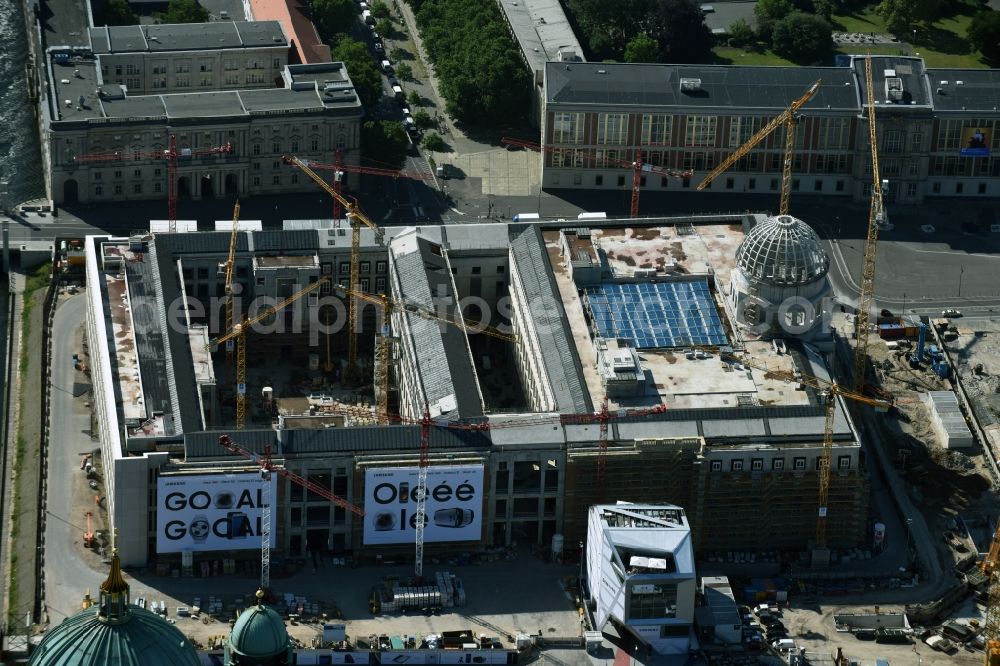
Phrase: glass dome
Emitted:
{"points": [[783, 251]]}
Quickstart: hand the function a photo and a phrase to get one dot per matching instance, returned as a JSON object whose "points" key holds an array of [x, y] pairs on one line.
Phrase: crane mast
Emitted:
{"points": [[866, 297], [991, 628]]}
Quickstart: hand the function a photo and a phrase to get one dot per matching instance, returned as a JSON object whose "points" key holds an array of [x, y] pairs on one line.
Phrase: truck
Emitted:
{"points": [[939, 643]]}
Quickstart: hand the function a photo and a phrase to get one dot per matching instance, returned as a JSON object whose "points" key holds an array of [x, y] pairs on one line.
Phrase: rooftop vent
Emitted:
{"points": [[894, 89], [602, 71], [889, 73], [690, 84]]}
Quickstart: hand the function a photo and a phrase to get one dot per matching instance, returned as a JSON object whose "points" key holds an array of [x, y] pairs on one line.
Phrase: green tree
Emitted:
{"points": [[385, 141], [642, 48], [404, 71], [433, 142], [333, 17], [984, 34], [380, 10], [802, 38], [118, 12], [366, 78], [899, 15], [399, 55], [184, 11], [608, 27], [825, 9], [384, 27], [741, 35], [679, 28], [769, 12], [414, 98], [423, 120]]}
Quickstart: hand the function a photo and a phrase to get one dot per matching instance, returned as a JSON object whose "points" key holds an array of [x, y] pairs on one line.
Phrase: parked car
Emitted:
{"points": [[386, 67], [393, 82], [379, 49], [951, 312]]}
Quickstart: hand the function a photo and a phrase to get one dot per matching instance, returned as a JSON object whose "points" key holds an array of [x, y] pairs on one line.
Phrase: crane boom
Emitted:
{"points": [[230, 262], [866, 297], [786, 118], [991, 627], [264, 314], [357, 218]]}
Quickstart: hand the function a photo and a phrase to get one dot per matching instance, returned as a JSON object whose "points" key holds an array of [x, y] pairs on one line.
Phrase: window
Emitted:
{"points": [[911, 190], [752, 184], [256, 181], [254, 78], [756, 465], [799, 463], [741, 129], [295, 145], [834, 134], [736, 466], [294, 178], [840, 186], [183, 68], [778, 464], [611, 128], [364, 283], [276, 165], [716, 465], [256, 166], [916, 141], [366, 266], [982, 188], [380, 267], [98, 175], [232, 79], [730, 183], [275, 147], [380, 285], [256, 149], [501, 270], [598, 180], [118, 189], [98, 190], [136, 188], [700, 131], [276, 63], [345, 267], [893, 141], [577, 179], [795, 184], [341, 141], [959, 187], [656, 129], [137, 173], [949, 135], [567, 127], [774, 183], [326, 268], [276, 179], [818, 185], [314, 145], [936, 188], [844, 462], [476, 270], [157, 187]]}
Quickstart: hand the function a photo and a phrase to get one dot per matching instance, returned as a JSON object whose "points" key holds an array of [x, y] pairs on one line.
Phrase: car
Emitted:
{"points": [[386, 66], [379, 49], [951, 312], [406, 112], [393, 82]]}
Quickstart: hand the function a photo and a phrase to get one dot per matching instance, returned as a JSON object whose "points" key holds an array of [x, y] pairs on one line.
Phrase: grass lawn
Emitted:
{"points": [[943, 44]]}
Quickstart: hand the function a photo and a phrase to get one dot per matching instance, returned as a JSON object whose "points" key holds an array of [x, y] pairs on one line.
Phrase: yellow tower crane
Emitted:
{"points": [[357, 218], [991, 628], [829, 391], [382, 347], [230, 297], [238, 332], [876, 212], [786, 118]]}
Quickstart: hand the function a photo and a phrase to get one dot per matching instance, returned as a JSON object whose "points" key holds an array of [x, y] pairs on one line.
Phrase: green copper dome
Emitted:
{"points": [[85, 639], [115, 632], [259, 637]]}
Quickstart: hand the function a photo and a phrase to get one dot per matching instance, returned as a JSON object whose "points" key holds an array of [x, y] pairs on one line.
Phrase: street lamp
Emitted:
{"points": [[909, 521]]}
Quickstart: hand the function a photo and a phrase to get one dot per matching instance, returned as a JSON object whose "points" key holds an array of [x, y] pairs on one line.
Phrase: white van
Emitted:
{"points": [[784, 645], [592, 216], [367, 17], [386, 67], [526, 217]]}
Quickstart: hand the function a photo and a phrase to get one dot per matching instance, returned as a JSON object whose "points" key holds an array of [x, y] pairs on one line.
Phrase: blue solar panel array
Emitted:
{"points": [[657, 314]]}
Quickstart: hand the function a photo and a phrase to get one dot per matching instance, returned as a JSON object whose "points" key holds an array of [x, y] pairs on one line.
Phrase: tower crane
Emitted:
{"points": [[228, 284], [170, 155], [266, 465], [829, 391], [866, 297], [638, 167], [388, 305], [786, 118], [991, 628], [238, 333], [357, 219], [339, 168]]}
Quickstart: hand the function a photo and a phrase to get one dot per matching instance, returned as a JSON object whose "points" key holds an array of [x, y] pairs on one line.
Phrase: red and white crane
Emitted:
{"points": [[170, 155], [264, 463], [638, 167]]}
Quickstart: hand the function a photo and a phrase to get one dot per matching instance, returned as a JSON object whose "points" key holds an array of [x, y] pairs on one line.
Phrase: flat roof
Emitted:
{"points": [[908, 69], [542, 30], [294, 18], [724, 14], [965, 89], [720, 86], [187, 37], [64, 22]]}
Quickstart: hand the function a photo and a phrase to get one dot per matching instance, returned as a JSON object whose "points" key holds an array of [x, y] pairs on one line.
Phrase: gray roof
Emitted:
{"points": [[724, 14], [203, 105], [910, 70], [443, 356], [279, 98], [187, 36], [541, 30], [979, 89], [721, 87], [562, 363], [368, 439]]}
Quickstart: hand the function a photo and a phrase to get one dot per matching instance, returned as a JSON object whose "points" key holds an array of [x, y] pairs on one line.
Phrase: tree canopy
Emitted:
{"points": [[184, 11], [385, 141], [478, 65], [333, 16], [802, 38], [984, 34], [629, 29], [361, 68], [118, 12]]}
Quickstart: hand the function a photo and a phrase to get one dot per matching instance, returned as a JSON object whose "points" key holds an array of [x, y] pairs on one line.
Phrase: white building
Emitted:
{"points": [[947, 420], [640, 573]]}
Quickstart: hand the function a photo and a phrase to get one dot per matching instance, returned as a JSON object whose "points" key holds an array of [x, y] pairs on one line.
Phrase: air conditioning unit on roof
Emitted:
{"points": [[690, 84]]}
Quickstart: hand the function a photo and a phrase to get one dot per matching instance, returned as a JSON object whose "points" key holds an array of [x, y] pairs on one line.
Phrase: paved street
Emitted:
{"points": [[67, 575]]}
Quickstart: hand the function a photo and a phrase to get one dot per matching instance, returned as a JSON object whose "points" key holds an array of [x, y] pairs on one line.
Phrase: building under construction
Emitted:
{"points": [[559, 368]]}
